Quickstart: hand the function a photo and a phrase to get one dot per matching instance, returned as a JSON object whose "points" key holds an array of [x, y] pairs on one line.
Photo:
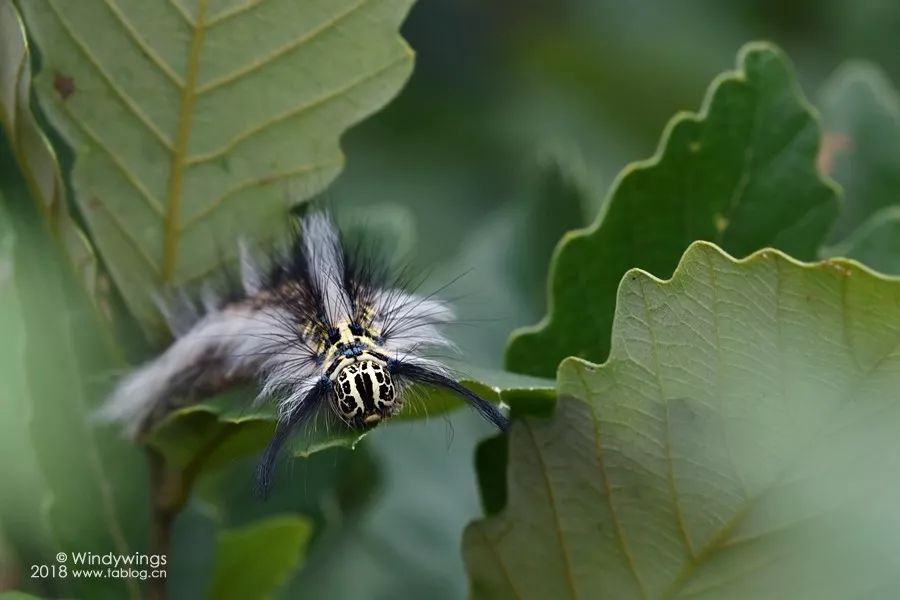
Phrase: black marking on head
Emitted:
{"points": [[347, 405], [385, 391], [378, 355], [364, 390], [330, 370]]}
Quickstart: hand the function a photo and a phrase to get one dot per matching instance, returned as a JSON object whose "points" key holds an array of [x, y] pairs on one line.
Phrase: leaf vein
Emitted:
{"points": [[126, 233], [670, 473], [725, 531], [177, 165], [567, 562], [125, 98], [129, 175], [279, 52], [163, 66], [265, 179], [183, 12], [477, 526], [617, 522], [232, 12], [717, 388], [293, 112]]}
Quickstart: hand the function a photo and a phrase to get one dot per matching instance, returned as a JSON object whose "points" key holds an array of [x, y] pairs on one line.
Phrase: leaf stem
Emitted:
{"points": [[170, 489], [167, 497]]}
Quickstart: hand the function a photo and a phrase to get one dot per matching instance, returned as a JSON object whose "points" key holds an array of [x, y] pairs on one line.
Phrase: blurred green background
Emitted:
{"points": [[519, 112], [503, 93], [504, 90]]}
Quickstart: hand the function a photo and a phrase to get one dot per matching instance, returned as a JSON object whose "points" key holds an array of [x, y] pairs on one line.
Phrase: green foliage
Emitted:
{"points": [[17, 596], [202, 437], [254, 561], [59, 471], [861, 115], [21, 519], [861, 111], [737, 442], [54, 369], [876, 243], [490, 464], [741, 174], [191, 125], [30, 146]]}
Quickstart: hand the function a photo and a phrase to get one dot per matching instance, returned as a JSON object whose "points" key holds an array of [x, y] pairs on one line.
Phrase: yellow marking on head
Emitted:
{"points": [[366, 315], [346, 337]]}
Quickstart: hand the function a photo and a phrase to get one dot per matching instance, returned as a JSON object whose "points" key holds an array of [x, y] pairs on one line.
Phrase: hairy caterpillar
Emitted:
{"points": [[324, 329]]}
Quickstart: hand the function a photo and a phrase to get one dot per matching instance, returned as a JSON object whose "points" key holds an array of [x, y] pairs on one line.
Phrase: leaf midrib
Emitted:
{"points": [[178, 163]]}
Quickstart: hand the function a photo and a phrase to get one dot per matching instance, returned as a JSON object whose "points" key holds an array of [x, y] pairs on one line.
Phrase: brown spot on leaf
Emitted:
{"points": [[720, 222], [839, 266], [64, 85], [833, 144]]}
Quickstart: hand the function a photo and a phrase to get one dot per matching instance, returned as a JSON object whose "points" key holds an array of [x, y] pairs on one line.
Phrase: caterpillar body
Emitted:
{"points": [[324, 329]]}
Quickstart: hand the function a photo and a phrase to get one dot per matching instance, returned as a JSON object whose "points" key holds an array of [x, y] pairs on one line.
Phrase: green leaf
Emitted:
{"points": [[491, 454], [740, 442], [491, 384], [14, 595], [193, 122], [254, 561], [742, 173], [490, 465], [56, 367], [861, 116], [21, 518], [875, 243], [31, 148], [204, 437]]}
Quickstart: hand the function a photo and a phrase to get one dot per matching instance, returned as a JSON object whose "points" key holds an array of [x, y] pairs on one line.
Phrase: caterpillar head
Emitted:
{"points": [[365, 393]]}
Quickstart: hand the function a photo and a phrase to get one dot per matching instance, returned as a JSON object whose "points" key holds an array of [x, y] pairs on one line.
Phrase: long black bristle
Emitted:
{"points": [[420, 374], [306, 409], [291, 278]]}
